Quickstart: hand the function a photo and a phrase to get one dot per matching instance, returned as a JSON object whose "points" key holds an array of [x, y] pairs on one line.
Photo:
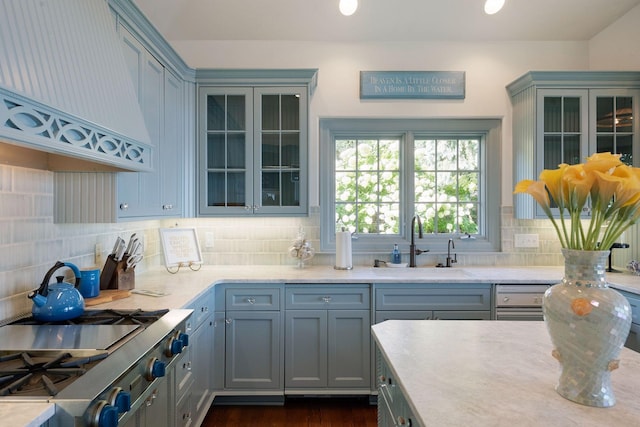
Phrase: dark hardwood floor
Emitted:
{"points": [[297, 412]]}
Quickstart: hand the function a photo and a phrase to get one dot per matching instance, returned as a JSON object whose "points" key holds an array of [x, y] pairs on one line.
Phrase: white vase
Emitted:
{"points": [[588, 323]]}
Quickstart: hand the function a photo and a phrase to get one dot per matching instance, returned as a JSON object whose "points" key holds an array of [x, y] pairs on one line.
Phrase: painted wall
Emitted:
{"points": [[617, 47]]}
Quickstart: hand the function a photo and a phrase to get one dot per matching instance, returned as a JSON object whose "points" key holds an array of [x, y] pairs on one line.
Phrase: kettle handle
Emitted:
{"points": [[44, 286], [76, 272]]}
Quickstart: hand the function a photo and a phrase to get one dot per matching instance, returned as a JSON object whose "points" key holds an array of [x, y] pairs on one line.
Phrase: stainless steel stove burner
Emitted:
{"points": [[41, 373]]}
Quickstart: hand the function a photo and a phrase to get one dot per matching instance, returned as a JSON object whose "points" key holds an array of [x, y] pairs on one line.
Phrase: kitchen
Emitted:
{"points": [[31, 242]]}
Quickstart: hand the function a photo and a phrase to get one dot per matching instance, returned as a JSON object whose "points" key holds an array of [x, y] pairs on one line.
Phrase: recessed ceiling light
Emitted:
{"points": [[348, 7], [493, 6]]}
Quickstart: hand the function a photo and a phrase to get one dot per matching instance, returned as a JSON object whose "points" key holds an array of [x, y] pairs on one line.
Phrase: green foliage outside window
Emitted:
{"points": [[446, 181]]}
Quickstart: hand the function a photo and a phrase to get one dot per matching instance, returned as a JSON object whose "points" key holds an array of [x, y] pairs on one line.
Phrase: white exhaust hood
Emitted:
{"points": [[65, 89]]}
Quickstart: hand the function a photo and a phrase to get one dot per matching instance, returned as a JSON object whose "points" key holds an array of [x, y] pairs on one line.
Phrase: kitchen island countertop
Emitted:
{"points": [[493, 374]]}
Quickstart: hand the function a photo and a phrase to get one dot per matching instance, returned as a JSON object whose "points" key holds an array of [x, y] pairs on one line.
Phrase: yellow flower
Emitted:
{"points": [[604, 188], [577, 185], [612, 187], [553, 181], [536, 189], [603, 162], [629, 190]]}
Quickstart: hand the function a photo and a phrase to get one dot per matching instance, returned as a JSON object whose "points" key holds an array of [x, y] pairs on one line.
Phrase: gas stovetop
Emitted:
{"points": [[42, 358], [102, 317]]}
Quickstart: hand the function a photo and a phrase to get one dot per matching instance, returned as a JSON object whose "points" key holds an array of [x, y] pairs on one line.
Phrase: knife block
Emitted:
{"points": [[115, 275]]}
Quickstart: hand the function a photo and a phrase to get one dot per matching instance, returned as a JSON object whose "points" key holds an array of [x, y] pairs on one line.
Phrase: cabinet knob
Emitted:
{"points": [[402, 421], [227, 321], [251, 300], [124, 206], [167, 207], [326, 300]]}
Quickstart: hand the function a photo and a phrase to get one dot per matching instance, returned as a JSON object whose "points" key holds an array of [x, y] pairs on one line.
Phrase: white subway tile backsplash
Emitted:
{"points": [[30, 242]]}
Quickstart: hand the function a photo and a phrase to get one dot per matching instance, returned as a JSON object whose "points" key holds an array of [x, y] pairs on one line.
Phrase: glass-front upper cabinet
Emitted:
{"points": [[226, 157], [613, 125], [564, 117], [563, 127], [253, 150]]}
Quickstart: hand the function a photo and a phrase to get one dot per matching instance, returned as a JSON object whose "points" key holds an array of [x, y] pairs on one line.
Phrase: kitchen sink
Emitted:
{"points": [[430, 272]]}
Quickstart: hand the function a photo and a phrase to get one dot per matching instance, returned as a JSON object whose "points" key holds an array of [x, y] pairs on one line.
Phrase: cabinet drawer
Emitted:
{"points": [[253, 299], [444, 298], [348, 297], [202, 307]]}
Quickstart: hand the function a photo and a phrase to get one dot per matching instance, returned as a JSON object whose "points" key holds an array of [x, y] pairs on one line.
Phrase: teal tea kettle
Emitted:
{"points": [[57, 301]]}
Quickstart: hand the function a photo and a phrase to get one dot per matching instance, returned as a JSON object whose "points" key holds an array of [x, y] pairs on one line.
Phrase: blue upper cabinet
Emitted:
{"points": [[253, 144], [157, 193], [564, 117]]}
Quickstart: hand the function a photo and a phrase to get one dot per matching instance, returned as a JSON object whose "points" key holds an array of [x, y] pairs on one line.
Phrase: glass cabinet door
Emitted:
{"points": [[613, 126], [280, 135], [564, 127], [226, 153], [252, 150]]}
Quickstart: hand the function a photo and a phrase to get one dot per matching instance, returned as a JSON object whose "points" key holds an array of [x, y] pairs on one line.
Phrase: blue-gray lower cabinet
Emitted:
{"points": [[409, 301], [393, 408], [633, 340], [327, 339], [253, 339]]}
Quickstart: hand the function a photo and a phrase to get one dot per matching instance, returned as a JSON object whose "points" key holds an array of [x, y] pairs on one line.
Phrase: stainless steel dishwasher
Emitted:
{"points": [[519, 302]]}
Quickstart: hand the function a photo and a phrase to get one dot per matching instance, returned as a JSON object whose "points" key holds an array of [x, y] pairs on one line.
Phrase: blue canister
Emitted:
{"points": [[90, 282]]}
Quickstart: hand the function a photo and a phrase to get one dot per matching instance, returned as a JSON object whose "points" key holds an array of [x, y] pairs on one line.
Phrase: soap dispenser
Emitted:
{"points": [[396, 257]]}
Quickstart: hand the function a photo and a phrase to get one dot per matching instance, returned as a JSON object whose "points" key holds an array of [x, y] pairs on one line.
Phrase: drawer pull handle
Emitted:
{"points": [[251, 300], [326, 300]]}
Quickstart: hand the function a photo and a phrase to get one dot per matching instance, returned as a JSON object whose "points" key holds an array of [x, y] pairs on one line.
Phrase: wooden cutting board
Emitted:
{"points": [[107, 295]]}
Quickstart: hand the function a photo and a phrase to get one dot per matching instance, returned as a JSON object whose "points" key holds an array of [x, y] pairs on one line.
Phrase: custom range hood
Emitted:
{"points": [[67, 99]]}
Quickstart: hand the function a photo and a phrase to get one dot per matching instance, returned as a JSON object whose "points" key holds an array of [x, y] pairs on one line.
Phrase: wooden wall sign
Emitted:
{"points": [[412, 85]]}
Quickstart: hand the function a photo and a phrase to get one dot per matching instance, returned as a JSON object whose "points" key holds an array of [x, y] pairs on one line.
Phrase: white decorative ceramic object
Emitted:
{"points": [[588, 323]]}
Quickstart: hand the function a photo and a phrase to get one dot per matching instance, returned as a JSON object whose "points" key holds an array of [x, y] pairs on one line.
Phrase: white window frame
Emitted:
{"points": [[490, 132]]}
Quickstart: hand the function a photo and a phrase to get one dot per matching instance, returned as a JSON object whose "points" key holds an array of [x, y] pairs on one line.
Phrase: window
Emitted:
{"points": [[378, 174], [447, 183]]}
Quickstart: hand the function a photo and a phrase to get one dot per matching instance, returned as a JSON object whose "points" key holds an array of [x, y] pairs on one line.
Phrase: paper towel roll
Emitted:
{"points": [[343, 251]]}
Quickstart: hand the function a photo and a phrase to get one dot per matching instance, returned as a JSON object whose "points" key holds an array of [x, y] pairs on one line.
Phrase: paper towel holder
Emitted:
{"points": [[350, 263]]}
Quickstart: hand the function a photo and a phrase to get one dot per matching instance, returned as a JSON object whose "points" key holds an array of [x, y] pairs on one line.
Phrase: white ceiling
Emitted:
{"points": [[382, 20]]}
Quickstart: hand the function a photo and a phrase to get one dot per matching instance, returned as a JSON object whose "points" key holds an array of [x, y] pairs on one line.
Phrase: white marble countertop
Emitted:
{"points": [[184, 287], [186, 284], [494, 374], [26, 414]]}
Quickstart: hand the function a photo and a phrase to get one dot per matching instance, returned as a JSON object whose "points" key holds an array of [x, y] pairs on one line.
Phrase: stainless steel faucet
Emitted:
{"points": [[451, 245], [413, 251]]}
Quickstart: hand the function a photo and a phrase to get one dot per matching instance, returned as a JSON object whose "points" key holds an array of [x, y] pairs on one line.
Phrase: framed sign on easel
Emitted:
{"points": [[181, 249]]}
